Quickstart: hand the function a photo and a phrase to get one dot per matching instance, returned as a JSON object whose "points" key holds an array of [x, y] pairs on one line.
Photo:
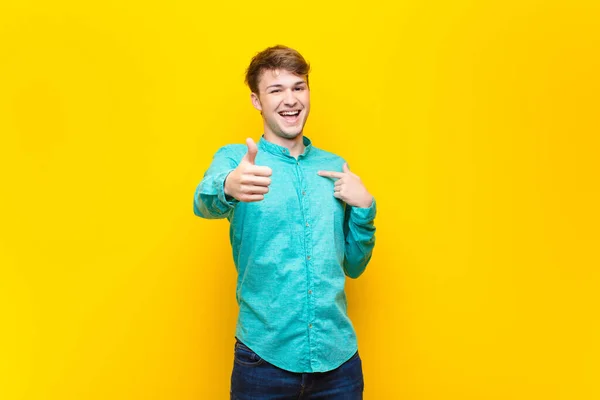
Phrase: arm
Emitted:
{"points": [[359, 230], [210, 200]]}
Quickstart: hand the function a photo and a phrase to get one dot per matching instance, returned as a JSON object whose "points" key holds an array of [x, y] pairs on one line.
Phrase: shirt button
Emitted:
{"points": [[310, 325], [310, 292], [303, 193], [307, 224], [308, 257]]}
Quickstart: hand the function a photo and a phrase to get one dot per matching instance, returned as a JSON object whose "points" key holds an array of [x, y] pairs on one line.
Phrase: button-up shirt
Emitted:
{"points": [[292, 251]]}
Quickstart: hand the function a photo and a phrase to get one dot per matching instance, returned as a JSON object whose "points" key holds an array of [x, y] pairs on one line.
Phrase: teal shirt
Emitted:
{"points": [[292, 252]]}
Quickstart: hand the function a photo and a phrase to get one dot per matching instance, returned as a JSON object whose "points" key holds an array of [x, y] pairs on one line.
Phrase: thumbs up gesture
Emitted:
{"points": [[248, 182], [349, 188]]}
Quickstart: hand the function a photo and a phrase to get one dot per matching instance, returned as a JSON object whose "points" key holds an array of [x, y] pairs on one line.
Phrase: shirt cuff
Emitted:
{"points": [[230, 201], [362, 215]]}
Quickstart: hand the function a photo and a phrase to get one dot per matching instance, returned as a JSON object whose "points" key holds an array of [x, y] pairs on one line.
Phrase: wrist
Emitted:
{"points": [[366, 203], [225, 187]]}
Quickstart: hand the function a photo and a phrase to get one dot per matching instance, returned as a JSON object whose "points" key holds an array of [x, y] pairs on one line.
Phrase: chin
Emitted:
{"points": [[287, 134], [290, 135]]}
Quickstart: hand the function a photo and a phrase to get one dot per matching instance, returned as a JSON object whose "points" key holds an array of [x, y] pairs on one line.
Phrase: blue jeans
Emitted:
{"points": [[255, 379]]}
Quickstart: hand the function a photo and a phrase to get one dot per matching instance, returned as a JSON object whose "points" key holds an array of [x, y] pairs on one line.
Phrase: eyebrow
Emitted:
{"points": [[279, 85]]}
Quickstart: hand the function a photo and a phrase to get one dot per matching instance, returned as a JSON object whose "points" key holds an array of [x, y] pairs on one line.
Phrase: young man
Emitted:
{"points": [[300, 222]]}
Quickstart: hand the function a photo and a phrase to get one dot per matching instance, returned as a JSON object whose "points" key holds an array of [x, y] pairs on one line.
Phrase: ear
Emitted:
{"points": [[255, 101]]}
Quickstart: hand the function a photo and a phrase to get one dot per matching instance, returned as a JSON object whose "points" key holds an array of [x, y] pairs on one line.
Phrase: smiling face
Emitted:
{"points": [[284, 100]]}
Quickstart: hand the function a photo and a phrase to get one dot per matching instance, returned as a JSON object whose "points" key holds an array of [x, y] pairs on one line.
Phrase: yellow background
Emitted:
{"points": [[475, 125]]}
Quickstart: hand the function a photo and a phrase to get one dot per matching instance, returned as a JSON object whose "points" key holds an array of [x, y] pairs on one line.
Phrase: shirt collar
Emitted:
{"points": [[283, 152]]}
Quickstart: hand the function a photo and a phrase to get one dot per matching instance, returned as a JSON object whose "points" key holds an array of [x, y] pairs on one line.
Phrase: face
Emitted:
{"points": [[284, 99]]}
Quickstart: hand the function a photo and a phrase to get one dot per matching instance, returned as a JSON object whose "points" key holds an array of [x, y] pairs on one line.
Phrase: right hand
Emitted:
{"points": [[248, 182]]}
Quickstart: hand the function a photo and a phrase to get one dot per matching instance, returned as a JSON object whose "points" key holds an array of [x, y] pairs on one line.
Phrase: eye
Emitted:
{"points": [[275, 91], [299, 88]]}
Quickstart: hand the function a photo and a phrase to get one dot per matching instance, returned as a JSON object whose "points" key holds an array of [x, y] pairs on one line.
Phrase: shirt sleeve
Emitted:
{"points": [[210, 200], [359, 230]]}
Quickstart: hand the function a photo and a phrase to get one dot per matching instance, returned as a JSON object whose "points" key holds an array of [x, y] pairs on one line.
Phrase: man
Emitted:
{"points": [[300, 221]]}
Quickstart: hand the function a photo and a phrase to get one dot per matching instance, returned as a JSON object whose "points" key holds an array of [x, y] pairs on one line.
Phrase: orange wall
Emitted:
{"points": [[474, 124]]}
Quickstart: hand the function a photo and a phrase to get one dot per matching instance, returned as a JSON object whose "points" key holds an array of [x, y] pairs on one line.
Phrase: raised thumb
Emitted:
{"points": [[345, 167], [252, 150]]}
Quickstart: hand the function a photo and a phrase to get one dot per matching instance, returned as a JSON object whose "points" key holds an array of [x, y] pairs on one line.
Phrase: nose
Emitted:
{"points": [[289, 99]]}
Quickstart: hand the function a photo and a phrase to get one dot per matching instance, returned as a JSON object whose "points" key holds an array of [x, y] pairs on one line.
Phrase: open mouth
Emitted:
{"points": [[290, 116]]}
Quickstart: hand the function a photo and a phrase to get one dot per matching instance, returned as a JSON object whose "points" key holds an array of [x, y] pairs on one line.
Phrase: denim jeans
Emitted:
{"points": [[255, 379]]}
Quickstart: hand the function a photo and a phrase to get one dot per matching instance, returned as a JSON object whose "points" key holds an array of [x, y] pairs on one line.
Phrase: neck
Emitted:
{"points": [[294, 145]]}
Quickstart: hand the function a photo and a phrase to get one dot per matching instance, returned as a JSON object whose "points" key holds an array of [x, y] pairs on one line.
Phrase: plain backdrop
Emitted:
{"points": [[474, 124]]}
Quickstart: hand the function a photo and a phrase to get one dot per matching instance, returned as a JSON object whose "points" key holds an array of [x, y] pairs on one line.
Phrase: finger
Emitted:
{"points": [[337, 195], [337, 189], [259, 170], [248, 198], [345, 168], [339, 182], [252, 150], [331, 174], [255, 180], [251, 189]]}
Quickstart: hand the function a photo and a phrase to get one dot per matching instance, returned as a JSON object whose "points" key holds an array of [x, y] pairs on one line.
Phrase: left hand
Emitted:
{"points": [[349, 187]]}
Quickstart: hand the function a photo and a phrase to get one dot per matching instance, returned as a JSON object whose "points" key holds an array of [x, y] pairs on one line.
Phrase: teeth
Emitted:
{"points": [[290, 113]]}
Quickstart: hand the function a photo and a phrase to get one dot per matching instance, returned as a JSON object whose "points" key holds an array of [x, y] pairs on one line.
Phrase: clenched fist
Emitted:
{"points": [[248, 182]]}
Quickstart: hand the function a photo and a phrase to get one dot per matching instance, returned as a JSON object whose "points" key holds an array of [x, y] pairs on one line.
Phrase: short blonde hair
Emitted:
{"points": [[274, 58]]}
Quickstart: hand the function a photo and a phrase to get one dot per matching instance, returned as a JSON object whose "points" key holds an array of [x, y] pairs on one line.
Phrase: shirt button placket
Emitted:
{"points": [[309, 264]]}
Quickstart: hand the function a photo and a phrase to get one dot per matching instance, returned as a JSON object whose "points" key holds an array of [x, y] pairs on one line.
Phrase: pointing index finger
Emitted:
{"points": [[331, 174]]}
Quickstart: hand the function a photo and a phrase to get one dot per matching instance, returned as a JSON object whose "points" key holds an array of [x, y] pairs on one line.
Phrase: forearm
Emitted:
{"points": [[210, 200], [360, 240]]}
